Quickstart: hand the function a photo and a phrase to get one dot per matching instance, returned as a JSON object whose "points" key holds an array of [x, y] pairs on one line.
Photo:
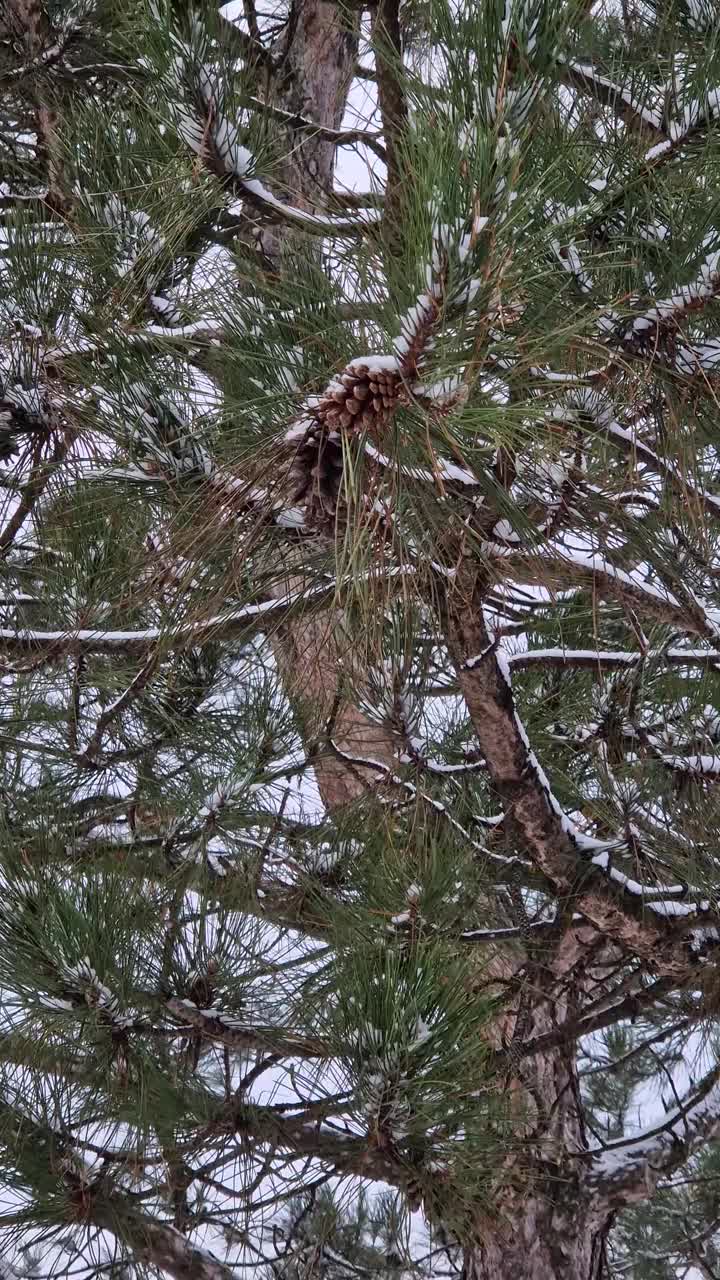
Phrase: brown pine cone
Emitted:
{"points": [[364, 397]]}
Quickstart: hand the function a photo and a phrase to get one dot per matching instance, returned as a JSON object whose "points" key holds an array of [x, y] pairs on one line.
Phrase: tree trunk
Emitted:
{"points": [[315, 654], [320, 64], [546, 1235], [546, 1222]]}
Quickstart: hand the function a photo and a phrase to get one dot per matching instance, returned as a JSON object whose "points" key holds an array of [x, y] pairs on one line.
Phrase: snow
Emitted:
{"points": [[598, 564], [445, 389], [504, 530], [451, 471], [702, 355], [413, 320], [422, 1034], [679, 908], [684, 1125], [705, 286], [444, 471], [569, 259], [299, 430], [643, 112], [374, 364], [322, 222], [645, 891], [191, 330], [618, 657], [700, 937], [658, 150], [707, 764], [291, 518], [97, 638]]}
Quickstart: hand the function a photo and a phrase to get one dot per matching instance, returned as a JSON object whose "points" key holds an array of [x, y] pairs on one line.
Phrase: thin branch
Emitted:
{"points": [[628, 1171]]}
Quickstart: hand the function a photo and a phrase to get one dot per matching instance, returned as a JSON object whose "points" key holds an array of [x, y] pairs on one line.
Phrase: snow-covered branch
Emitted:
{"points": [[628, 106], [156, 1243], [234, 1033], [627, 1171], [246, 620], [644, 333], [571, 861], [612, 659]]}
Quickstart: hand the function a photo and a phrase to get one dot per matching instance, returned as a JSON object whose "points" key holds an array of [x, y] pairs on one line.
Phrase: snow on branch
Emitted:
{"points": [[414, 793], [321, 224], [612, 659], [645, 332], [444, 470], [154, 1242], [617, 584], [588, 403], [364, 397], [628, 1171], [511, 89], [568, 256], [606, 200], [449, 282], [83, 985], [246, 620], [700, 764], [196, 94], [162, 436], [23, 412], [585, 77], [558, 848]]}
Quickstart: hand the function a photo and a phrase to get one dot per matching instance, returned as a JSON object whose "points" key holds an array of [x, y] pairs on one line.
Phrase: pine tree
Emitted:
{"points": [[360, 639]]}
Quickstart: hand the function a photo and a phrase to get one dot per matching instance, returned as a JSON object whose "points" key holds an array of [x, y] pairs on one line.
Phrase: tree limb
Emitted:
{"points": [[628, 1171]]}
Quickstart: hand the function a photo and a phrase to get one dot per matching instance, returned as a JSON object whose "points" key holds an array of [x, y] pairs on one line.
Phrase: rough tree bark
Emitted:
{"points": [[547, 1223]]}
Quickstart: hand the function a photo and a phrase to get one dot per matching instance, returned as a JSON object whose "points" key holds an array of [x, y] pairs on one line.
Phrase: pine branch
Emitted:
{"points": [[34, 487], [627, 1171], [610, 583], [230, 1031], [586, 78], [156, 1243], [242, 622], [613, 1013], [574, 865], [340, 137], [611, 660]]}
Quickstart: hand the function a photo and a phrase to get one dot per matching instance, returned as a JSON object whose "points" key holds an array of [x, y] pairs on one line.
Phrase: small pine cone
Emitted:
{"points": [[316, 477], [364, 397]]}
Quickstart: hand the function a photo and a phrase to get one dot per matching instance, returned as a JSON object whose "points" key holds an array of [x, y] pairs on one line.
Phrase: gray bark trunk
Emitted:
{"points": [[546, 1223], [320, 63], [544, 1235]]}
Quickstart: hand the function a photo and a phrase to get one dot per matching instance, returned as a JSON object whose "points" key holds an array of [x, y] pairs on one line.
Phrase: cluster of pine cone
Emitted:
{"points": [[362, 399]]}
